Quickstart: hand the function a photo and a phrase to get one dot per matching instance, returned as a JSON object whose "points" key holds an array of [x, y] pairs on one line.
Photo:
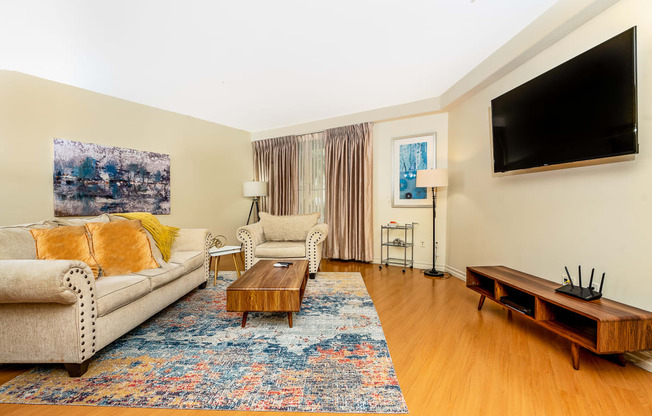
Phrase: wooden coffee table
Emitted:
{"points": [[265, 288]]}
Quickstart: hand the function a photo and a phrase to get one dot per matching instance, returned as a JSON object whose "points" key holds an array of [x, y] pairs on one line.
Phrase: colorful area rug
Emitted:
{"points": [[195, 355]]}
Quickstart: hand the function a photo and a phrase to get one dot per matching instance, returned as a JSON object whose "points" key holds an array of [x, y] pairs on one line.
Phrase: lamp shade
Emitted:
{"points": [[254, 189], [432, 178]]}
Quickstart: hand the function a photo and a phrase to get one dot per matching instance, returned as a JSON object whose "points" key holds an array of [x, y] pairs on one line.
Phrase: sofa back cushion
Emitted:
{"points": [[287, 227], [16, 243], [65, 243], [80, 220], [121, 247]]}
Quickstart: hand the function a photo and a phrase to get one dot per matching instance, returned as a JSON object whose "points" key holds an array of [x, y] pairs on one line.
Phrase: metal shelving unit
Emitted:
{"points": [[386, 244]]}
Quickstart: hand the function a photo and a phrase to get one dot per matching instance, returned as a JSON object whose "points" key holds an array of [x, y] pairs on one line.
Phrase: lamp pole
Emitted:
{"points": [[434, 272], [433, 178]]}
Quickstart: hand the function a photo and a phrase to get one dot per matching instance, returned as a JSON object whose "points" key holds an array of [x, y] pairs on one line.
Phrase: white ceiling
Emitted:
{"points": [[259, 64]]}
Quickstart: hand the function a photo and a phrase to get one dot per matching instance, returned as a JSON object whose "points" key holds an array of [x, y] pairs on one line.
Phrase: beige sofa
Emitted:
{"points": [[54, 311], [289, 237]]}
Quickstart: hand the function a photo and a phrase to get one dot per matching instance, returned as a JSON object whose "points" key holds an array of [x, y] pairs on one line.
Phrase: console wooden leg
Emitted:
{"points": [[244, 319], [290, 318], [482, 297], [75, 369], [575, 353]]}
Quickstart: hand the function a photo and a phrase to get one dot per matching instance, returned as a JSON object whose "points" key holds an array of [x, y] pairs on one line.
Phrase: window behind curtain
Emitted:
{"points": [[312, 175]]}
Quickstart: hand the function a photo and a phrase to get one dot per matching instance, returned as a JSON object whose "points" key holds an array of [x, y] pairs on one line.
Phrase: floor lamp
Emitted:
{"points": [[433, 178], [255, 190]]}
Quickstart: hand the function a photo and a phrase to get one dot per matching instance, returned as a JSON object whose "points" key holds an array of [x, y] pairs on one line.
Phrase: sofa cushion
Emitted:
{"points": [[65, 243], [158, 256], [281, 249], [164, 235], [188, 260], [287, 227], [114, 292], [121, 247], [81, 220], [16, 243], [163, 275]]}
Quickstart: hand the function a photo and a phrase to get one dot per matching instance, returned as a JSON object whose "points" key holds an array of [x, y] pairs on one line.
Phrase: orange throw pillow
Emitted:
{"points": [[121, 247], [65, 243]]}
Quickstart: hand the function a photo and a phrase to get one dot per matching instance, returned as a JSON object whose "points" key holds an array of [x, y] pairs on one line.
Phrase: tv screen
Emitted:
{"points": [[583, 109]]}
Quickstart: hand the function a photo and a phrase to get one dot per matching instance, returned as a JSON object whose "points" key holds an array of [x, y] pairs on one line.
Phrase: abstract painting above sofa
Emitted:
{"points": [[90, 179]]}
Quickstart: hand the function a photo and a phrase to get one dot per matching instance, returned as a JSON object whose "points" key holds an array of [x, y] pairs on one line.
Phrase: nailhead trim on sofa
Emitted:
{"points": [[79, 282]]}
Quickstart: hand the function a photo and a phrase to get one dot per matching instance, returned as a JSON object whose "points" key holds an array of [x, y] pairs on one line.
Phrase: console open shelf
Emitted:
{"points": [[602, 326]]}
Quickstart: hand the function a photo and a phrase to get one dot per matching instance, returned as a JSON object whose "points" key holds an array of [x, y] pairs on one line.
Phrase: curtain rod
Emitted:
{"points": [[321, 131]]}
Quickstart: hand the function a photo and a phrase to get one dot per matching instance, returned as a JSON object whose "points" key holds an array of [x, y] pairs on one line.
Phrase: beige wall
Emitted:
{"points": [[208, 161], [384, 132], [597, 216]]}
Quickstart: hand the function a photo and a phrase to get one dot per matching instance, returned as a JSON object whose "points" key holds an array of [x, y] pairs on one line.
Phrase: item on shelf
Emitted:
{"points": [[398, 242], [218, 241], [392, 224], [584, 293]]}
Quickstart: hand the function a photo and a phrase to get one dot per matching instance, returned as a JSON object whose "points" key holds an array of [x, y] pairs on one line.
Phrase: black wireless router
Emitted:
{"points": [[584, 293]]}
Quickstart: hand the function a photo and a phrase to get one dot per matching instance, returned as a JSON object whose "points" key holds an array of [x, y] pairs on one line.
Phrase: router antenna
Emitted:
{"points": [[591, 281], [601, 282], [579, 272], [569, 277]]}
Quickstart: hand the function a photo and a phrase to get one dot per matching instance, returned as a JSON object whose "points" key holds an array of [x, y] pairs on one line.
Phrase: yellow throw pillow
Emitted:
{"points": [[121, 247], [65, 243]]}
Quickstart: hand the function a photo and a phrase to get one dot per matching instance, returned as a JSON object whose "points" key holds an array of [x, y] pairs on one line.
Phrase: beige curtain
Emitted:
{"points": [[312, 177], [349, 184], [276, 162]]}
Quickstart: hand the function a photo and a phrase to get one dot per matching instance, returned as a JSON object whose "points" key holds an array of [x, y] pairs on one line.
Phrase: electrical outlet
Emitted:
{"points": [[422, 244], [565, 280], [595, 286]]}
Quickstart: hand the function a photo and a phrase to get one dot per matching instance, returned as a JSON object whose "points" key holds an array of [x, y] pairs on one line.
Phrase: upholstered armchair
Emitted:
{"points": [[287, 237]]}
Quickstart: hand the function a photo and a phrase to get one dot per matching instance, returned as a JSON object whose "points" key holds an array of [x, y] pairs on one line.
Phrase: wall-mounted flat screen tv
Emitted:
{"points": [[581, 110]]}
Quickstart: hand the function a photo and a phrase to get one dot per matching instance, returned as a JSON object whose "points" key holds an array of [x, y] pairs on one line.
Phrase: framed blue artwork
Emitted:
{"points": [[410, 154]]}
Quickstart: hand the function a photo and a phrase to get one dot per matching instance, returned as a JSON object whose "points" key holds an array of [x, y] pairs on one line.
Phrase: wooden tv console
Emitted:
{"points": [[602, 326]]}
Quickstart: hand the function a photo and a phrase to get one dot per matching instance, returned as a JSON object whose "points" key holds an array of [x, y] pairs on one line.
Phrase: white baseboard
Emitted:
{"points": [[417, 265], [456, 273]]}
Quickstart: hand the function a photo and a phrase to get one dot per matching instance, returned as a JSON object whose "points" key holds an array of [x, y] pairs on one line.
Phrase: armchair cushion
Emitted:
{"points": [[287, 227], [281, 249]]}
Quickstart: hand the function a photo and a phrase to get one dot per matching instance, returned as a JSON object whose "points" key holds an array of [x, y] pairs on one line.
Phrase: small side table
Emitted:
{"points": [[219, 252]]}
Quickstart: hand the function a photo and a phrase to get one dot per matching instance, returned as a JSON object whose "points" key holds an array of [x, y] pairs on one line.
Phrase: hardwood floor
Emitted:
{"points": [[452, 359]]}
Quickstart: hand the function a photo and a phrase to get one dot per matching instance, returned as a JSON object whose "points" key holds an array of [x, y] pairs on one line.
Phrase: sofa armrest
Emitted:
{"points": [[317, 234], [44, 281], [250, 236], [191, 239], [195, 239], [252, 233], [47, 305]]}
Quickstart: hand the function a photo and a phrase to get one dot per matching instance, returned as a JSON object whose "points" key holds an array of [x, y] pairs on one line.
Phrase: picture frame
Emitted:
{"points": [[409, 154]]}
